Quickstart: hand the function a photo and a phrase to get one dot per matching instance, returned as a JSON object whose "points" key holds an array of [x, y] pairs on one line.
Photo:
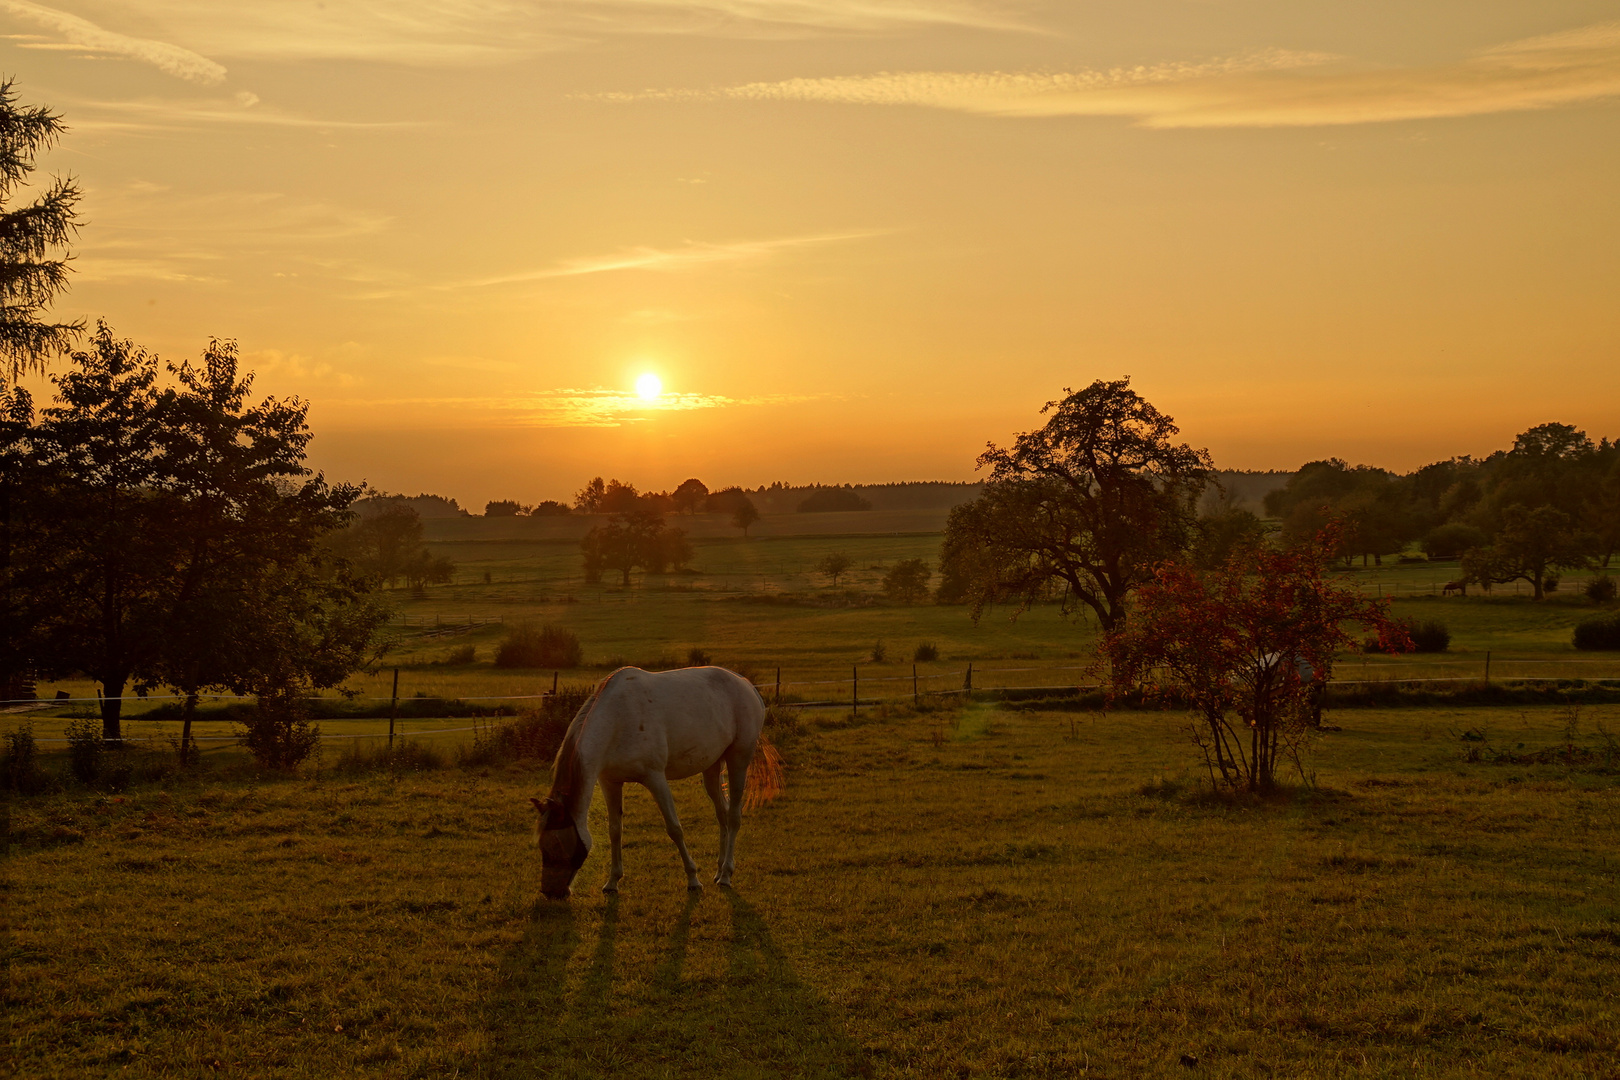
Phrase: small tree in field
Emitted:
{"points": [[834, 565], [744, 516], [907, 581], [1249, 646]]}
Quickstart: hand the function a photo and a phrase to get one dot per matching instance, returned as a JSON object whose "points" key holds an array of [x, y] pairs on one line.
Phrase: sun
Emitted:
{"points": [[649, 386]]}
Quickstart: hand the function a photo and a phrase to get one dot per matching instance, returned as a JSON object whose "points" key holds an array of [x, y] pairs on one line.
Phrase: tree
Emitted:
{"points": [[506, 508], [100, 563], [834, 565], [636, 540], [255, 607], [907, 581], [384, 545], [690, 496], [1084, 508], [1248, 647], [1528, 547], [1227, 530], [1602, 515], [588, 500], [29, 235], [744, 516], [548, 508]]}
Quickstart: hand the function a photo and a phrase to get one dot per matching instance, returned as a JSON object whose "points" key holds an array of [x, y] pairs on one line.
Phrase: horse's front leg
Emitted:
{"points": [[672, 822], [613, 791], [711, 784]]}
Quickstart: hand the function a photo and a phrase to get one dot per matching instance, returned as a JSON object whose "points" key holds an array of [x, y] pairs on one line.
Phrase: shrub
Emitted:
{"points": [[530, 646], [462, 654], [1602, 632], [880, 653], [1429, 636], [907, 581], [278, 732], [926, 653], [533, 735], [696, 657], [19, 768], [84, 750], [1601, 589]]}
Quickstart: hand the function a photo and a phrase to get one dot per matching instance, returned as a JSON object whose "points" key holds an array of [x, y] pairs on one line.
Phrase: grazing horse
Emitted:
{"points": [[650, 728], [1458, 587]]}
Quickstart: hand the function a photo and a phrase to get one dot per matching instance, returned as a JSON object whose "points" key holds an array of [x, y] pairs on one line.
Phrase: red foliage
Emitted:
{"points": [[1252, 642]]}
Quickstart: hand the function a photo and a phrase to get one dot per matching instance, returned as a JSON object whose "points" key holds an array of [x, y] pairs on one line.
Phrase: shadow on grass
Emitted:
{"points": [[758, 1019]]}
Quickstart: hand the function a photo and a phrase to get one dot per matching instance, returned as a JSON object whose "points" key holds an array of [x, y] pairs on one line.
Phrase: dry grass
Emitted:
{"points": [[977, 894]]}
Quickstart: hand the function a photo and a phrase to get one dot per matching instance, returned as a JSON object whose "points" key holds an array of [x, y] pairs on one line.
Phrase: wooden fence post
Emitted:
{"points": [[779, 686], [393, 710], [1487, 666], [854, 690], [967, 684], [554, 675], [914, 698]]}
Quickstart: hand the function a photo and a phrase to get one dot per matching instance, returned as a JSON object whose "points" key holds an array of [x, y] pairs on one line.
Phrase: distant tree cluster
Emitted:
{"points": [[1550, 504], [384, 545]]}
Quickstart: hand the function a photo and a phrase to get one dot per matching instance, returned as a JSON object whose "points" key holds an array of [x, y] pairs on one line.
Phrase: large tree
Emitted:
{"points": [[1082, 509], [33, 262], [1531, 545]]}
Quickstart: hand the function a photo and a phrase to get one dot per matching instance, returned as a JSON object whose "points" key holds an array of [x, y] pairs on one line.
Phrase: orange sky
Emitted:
{"points": [[855, 238]]}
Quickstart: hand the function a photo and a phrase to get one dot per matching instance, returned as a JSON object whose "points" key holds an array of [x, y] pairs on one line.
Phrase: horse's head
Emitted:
{"points": [[562, 848]]}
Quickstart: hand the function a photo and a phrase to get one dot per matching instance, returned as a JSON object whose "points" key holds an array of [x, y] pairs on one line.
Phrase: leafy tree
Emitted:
{"points": [[1247, 646], [1223, 532], [548, 508], [384, 545], [834, 565], [100, 561], [906, 582], [30, 235], [636, 540], [744, 516], [588, 500], [691, 496], [1531, 544], [1450, 540], [506, 508], [1084, 508], [1602, 511], [256, 606]]}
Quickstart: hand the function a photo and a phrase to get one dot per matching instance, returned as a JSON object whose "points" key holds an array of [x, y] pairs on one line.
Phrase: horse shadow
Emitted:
{"points": [[750, 1016]]}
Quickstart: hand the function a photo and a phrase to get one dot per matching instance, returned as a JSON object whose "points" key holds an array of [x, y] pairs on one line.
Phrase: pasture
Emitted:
{"points": [[975, 892]]}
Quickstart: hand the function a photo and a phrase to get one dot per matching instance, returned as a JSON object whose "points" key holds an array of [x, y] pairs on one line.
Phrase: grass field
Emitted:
{"points": [[979, 893]]}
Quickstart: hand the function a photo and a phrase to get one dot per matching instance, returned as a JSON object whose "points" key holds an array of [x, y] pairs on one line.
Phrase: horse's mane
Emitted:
{"points": [[567, 777]]}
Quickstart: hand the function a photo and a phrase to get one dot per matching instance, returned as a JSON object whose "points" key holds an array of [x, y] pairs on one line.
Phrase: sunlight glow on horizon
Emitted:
{"points": [[649, 386]]}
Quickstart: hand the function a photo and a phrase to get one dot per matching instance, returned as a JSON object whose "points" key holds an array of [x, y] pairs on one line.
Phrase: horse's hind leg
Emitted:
{"points": [[614, 791], [737, 780], [711, 784], [672, 822]]}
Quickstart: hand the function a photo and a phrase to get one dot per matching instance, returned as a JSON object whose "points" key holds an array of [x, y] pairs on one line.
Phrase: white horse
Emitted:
{"points": [[650, 728]]}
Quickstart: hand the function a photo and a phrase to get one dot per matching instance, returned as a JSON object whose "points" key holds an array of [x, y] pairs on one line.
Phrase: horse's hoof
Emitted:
{"points": [[695, 887], [611, 887]]}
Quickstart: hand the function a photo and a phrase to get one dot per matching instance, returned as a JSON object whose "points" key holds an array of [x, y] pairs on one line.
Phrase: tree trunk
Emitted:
{"points": [[187, 711], [112, 705]]}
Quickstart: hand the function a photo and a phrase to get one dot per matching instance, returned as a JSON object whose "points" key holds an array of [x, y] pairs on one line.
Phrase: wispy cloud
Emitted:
{"points": [[1269, 89], [570, 407], [84, 34], [243, 109], [688, 256], [459, 32]]}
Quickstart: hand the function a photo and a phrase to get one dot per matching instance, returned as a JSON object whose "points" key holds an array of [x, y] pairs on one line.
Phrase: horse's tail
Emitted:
{"points": [[765, 775]]}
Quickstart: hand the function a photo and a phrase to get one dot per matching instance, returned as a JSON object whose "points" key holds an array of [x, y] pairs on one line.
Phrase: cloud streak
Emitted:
{"points": [[179, 62], [1270, 89], [598, 408], [472, 32], [689, 256]]}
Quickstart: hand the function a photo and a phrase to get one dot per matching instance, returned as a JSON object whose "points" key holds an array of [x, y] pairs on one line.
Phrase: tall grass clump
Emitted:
{"points": [[85, 748], [1602, 632], [530, 646], [19, 766], [926, 653], [534, 735], [406, 755], [1430, 635]]}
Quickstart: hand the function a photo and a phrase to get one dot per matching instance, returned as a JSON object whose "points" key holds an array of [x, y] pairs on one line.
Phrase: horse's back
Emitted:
{"points": [[677, 722]]}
